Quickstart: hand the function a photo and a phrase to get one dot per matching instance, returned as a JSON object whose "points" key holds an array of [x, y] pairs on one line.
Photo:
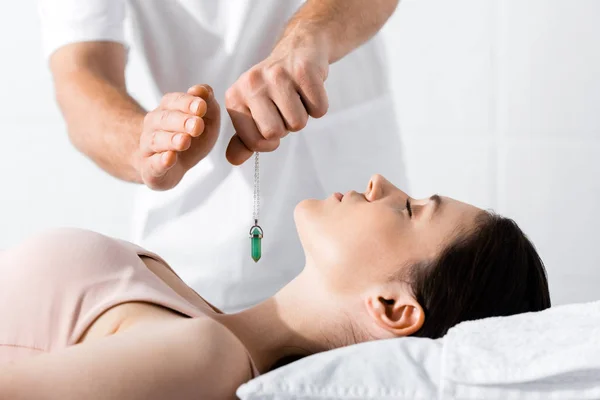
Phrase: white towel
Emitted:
{"points": [[554, 354], [549, 355]]}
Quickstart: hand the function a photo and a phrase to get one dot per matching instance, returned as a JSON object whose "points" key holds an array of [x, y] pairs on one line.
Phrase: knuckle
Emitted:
{"points": [[177, 97], [297, 123], [302, 71], [153, 139], [320, 109], [253, 79], [154, 167], [231, 97], [276, 74], [295, 126], [270, 145], [273, 132], [164, 116]]}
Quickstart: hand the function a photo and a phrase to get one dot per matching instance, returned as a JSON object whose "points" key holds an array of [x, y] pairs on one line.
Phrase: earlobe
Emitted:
{"points": [[396, 314]]}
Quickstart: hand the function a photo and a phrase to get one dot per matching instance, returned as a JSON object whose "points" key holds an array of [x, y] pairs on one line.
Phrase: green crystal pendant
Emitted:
{"points": [[256, 235]]}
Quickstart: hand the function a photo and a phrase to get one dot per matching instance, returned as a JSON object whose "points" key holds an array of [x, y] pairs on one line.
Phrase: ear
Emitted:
{"points": [[395, 311]]}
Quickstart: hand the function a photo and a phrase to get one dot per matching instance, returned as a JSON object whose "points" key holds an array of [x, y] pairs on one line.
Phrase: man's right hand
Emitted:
{"points": [[177, 135]]}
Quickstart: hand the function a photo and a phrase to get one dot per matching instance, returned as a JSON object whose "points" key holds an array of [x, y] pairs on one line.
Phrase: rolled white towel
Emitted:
{"points": [[553, 354]]}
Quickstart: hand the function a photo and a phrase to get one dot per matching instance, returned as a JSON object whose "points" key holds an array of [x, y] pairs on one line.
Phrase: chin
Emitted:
{"points": [[306, 214], [306, 209]]}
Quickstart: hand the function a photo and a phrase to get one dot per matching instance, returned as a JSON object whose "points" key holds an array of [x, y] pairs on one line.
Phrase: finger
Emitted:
{"points": [[237, 152], [246, 129], [311, 87], [290, 106], [161, 141], [267, 118], [185, 103], [201, 90], [160, 163], [176, 121], [205, 92]]}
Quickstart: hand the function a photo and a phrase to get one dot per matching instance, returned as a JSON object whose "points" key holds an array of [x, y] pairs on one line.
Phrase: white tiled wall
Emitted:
{"points": [[498, 100], [499, 103]]}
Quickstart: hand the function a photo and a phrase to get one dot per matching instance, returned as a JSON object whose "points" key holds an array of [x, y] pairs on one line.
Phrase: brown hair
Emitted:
{"points": [[492, 271]]}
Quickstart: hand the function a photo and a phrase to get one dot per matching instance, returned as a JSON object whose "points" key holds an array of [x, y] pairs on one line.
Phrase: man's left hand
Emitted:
{"points": [[277, 96]]}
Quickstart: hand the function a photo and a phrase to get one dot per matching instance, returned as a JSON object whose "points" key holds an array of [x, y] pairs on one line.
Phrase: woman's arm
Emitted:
{"points": [[187, 359]]}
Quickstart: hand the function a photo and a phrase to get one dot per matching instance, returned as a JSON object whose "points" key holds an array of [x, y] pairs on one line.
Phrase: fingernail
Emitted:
{"points": [[190, 125], [195, 106], [178, 140]]}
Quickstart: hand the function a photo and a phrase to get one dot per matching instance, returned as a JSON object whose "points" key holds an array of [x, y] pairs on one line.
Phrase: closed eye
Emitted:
{"points": [[408, 208]]}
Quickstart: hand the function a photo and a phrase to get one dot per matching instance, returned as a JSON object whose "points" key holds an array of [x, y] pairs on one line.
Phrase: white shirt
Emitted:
{"points": [[201, 226]]}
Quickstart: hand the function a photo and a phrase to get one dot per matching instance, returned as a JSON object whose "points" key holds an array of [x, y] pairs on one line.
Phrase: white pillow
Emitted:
{"points": [[553, 354], [402, 369]]}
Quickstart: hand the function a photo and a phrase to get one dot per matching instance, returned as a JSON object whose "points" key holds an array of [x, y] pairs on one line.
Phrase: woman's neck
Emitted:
{"points": [[291, 323]]}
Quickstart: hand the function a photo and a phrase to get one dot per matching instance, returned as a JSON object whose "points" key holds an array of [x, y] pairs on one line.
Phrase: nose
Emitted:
{"points": [[380, 187]]}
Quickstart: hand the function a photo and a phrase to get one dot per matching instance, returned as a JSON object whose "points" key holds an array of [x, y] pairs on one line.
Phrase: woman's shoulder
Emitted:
{"points": [[222, 355], [67, 238], [72, 249]]}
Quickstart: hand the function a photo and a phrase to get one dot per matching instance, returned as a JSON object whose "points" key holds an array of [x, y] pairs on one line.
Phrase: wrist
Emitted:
{"points": [[304, 34], [135, 157], [135, 163]]}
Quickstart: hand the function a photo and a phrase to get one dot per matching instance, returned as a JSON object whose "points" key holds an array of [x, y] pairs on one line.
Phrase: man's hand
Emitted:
{"points": [[177, 135], [277, 96]]}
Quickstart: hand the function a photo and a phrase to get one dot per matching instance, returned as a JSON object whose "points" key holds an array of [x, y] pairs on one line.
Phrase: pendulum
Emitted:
{"points": [[256, 235], [256, 232]]}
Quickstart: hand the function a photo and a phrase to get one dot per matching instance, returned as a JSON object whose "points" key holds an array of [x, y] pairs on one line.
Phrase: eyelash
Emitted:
{"points": [[408, 208]]}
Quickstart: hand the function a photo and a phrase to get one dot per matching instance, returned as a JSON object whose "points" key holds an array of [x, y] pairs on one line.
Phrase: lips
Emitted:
{"points": [[338, 196]]}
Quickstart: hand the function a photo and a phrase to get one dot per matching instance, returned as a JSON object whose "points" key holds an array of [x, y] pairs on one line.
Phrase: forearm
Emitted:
{"points": [[340, 25], [103, 121]]}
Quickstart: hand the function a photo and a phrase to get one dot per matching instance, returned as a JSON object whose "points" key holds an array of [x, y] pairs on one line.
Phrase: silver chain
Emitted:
{"points": [[256, 188]]}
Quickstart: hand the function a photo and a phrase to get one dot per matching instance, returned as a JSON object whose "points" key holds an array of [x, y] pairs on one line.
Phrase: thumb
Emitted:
{"points": [[237, 152]]}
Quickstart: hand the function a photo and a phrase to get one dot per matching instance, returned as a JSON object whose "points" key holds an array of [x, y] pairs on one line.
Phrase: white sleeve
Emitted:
{"points": [[71, 21]]}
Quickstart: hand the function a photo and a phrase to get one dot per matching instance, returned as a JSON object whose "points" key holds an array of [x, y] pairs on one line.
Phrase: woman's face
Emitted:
{"points": [[360, 239]]}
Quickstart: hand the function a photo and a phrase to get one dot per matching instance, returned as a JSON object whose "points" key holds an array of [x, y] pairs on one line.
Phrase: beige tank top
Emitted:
{"points": [[55, 285]]}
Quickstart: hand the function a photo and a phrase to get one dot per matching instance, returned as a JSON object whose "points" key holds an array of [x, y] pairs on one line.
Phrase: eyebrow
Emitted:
{"points": [[437, 200]]}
